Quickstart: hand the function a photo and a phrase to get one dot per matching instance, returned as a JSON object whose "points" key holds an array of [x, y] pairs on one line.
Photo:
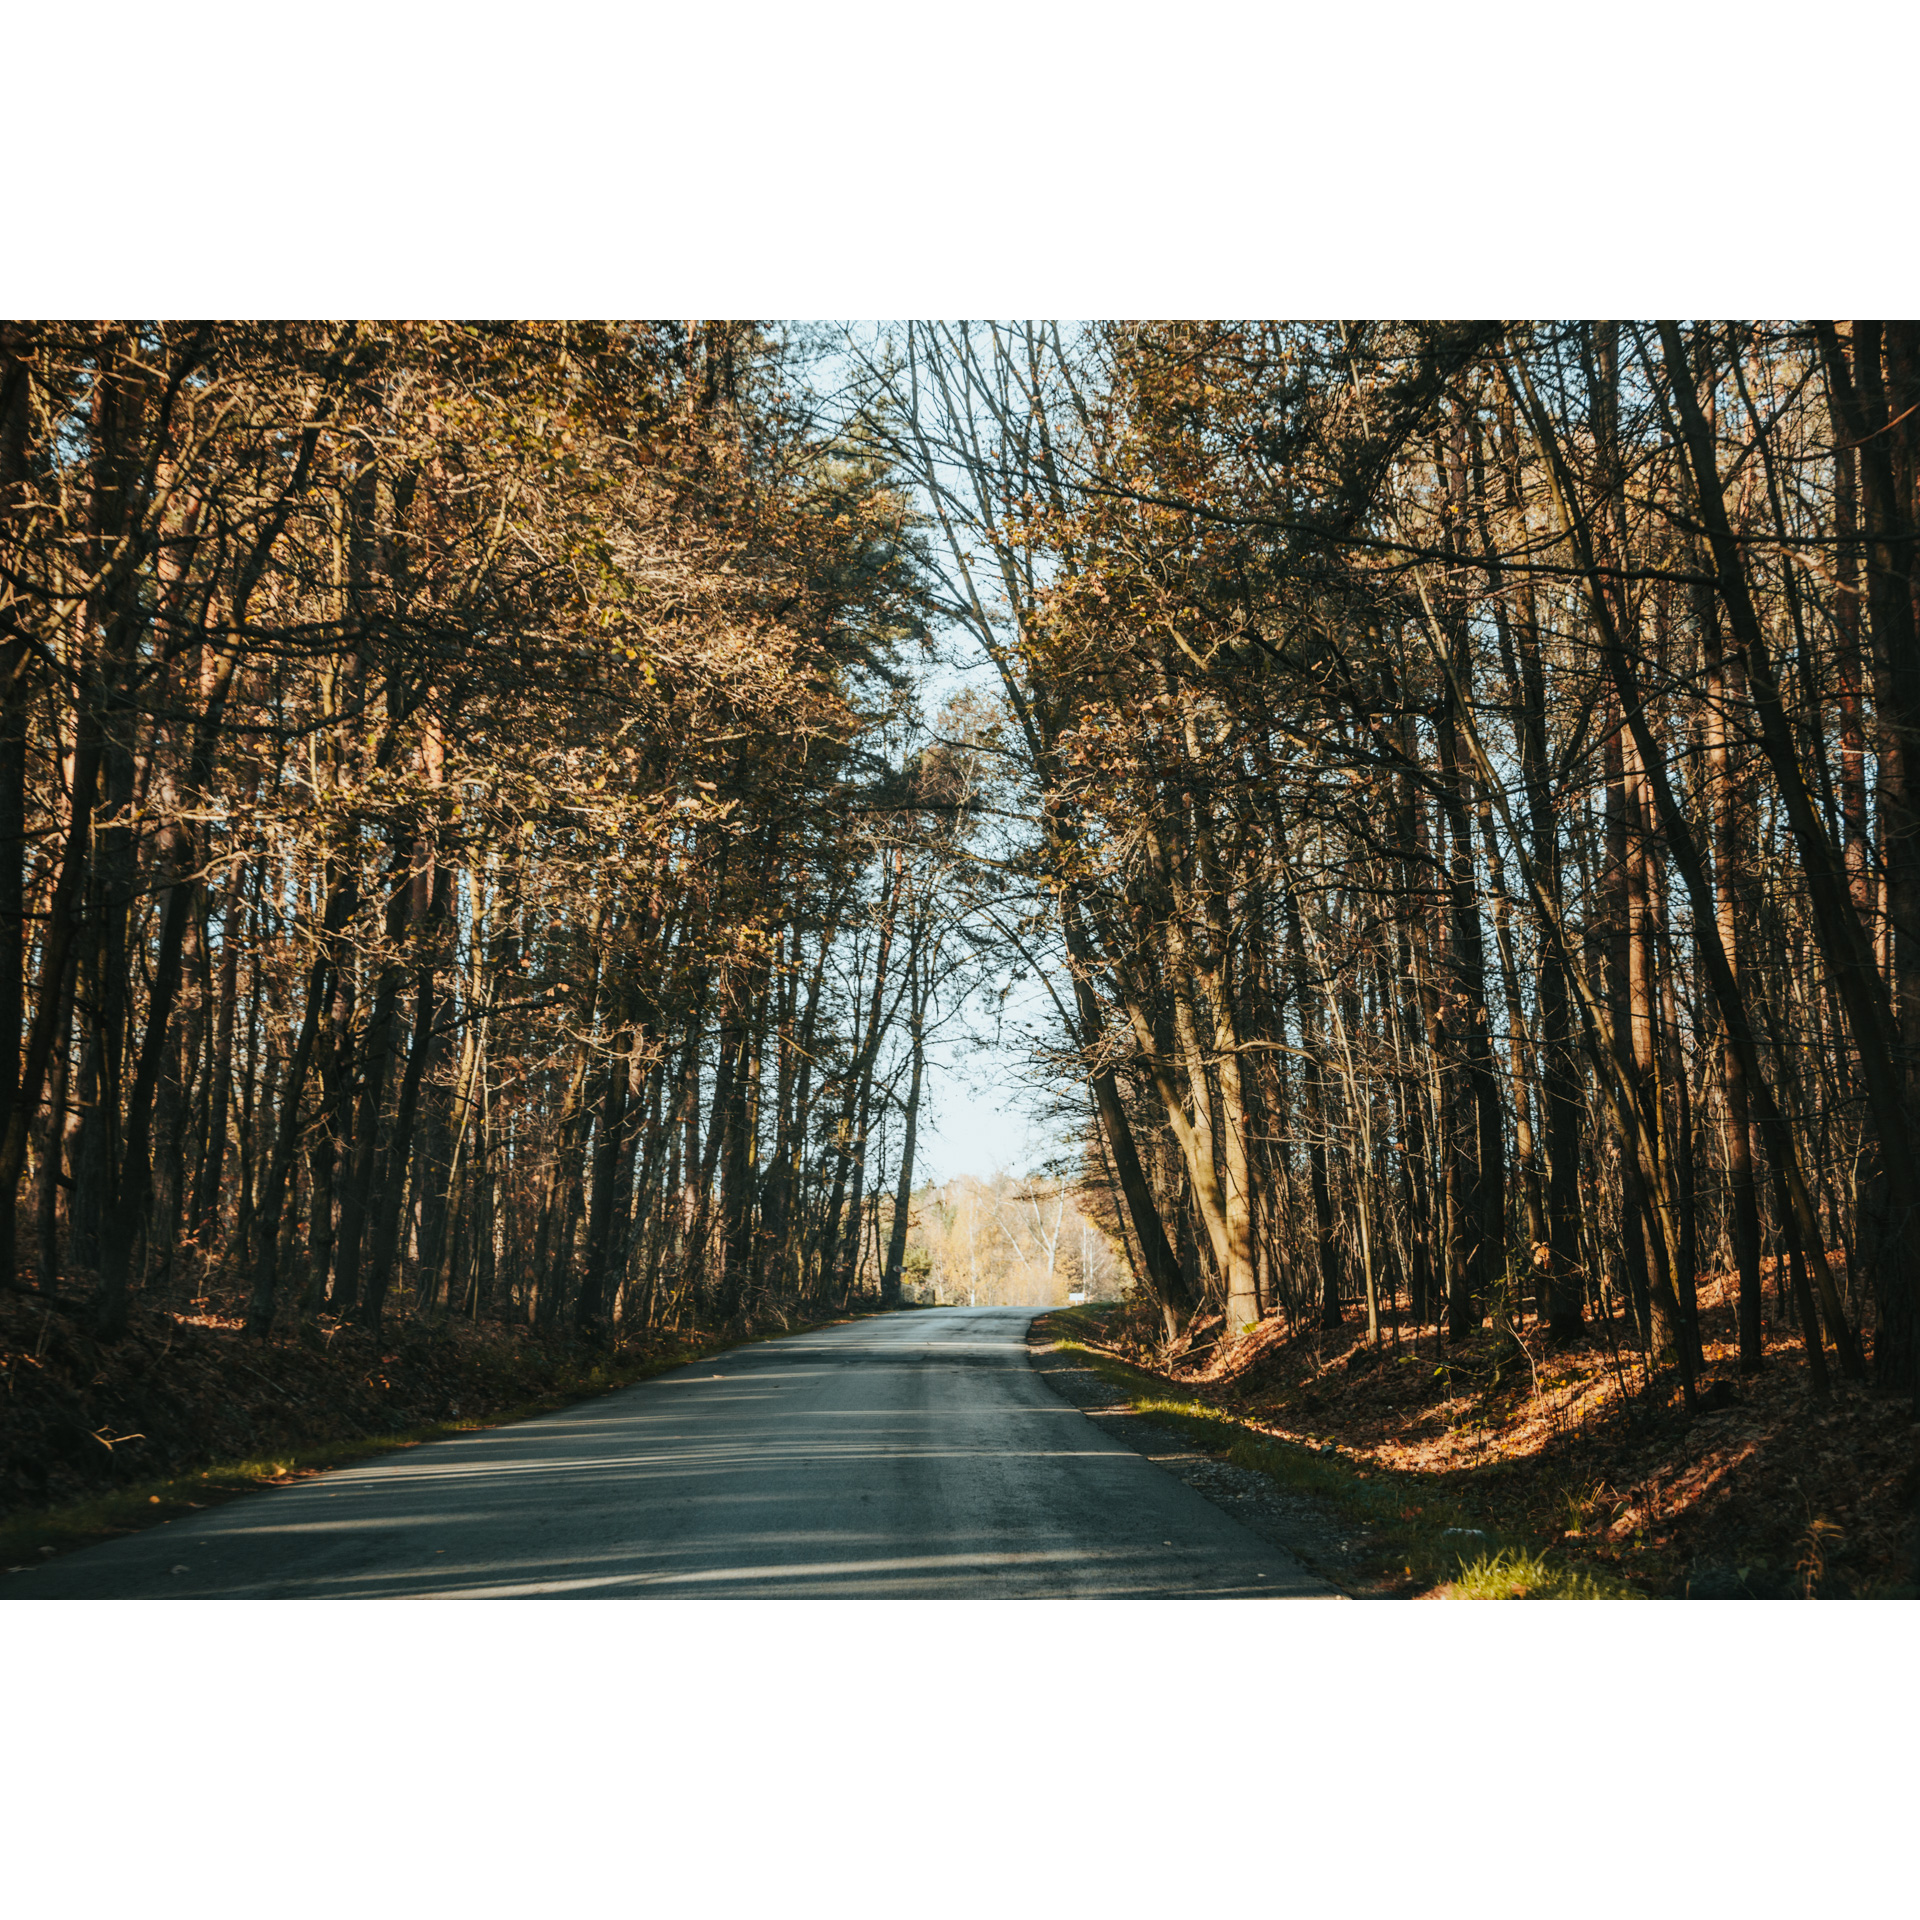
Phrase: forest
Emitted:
{"points": [[493, 818]]}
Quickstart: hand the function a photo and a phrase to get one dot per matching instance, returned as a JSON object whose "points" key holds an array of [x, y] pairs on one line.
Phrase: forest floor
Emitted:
{"points": [[1494, 1468], [98, 1440]]}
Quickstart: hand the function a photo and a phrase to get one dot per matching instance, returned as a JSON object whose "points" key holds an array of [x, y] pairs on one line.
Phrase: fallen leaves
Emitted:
{"points": [[1577, 1445]]}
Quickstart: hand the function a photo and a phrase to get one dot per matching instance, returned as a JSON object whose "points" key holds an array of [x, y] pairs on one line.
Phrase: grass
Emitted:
{"points": [[1422, 1540], [30, 1537], [1515, 1574]]}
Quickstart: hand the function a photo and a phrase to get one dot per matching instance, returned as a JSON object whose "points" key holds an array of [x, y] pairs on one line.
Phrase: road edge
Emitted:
{"points": [[1305, 1530], [54, 1532]]}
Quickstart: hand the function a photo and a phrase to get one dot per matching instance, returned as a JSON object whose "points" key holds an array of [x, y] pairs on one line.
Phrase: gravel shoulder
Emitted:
{"points": [[1324, 1542]]}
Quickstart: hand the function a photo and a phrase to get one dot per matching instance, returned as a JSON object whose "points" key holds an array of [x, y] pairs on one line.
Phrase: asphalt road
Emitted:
{"points": [[915, 1455]]}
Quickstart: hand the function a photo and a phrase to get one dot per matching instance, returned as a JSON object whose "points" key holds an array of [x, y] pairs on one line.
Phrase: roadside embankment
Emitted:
{"points": [[1364, 1531], [1494, 1468], [98, 1440]]}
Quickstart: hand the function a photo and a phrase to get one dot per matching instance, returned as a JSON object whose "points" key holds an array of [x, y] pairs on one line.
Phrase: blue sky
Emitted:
{"points": [[983, 1114]]}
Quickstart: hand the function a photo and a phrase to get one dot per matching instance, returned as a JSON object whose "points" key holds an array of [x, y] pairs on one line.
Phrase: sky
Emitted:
{"points": [[981, 1114], [982, 1111]]}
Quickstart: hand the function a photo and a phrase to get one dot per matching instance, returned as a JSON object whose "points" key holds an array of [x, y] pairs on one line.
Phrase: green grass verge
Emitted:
{"points": [[33, 1537], [1423, 1538]]}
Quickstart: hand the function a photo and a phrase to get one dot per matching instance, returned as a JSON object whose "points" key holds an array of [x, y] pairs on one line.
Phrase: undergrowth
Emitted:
{"points": [[1422, 1540], [145, 1503]]}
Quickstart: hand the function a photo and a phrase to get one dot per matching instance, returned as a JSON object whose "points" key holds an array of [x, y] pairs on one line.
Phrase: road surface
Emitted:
{"points": [[914, 1455]]}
